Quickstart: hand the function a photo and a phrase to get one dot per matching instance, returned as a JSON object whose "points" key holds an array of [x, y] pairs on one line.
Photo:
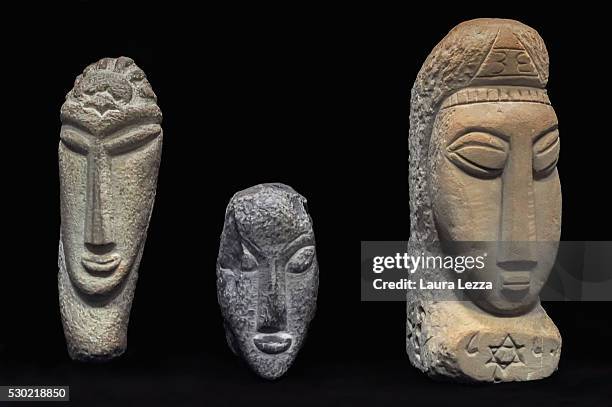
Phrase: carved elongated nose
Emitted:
{"points": [[518, 224], [98, 216], [272, 313]]}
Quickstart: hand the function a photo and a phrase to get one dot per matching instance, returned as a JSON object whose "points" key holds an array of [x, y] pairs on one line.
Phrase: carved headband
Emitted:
{"points": [[498, 94]]}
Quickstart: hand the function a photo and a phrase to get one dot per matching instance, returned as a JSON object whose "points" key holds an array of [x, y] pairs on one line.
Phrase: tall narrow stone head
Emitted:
{"points": [[109, 155], [484, 146], [267, 276]]}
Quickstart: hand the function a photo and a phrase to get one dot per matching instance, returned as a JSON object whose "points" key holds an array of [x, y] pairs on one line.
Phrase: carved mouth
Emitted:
{"points": [[101, 264], [516, 281], [272, 343]]}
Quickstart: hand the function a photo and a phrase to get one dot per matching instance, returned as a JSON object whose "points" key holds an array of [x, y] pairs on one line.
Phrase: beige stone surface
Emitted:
{"points": [[456, 339], [484, 144]]}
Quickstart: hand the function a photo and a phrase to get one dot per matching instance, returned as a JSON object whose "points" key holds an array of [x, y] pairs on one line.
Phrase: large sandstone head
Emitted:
{"points": [[267, 276], [484, 146], [109, 156]]}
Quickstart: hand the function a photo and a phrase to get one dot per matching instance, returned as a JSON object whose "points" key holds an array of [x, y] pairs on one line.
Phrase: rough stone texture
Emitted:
{"points": [[457, 340], [483, 151], [109, 155], [267, 276]]}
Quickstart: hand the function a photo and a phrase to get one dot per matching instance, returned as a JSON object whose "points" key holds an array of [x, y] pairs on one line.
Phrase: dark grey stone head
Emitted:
{"points": [[267, 276]]}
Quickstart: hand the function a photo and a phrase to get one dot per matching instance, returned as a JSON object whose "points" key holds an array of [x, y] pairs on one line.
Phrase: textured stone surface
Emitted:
{"points": [[483, 151], [109, 155], [457, 340], [267, 276]]}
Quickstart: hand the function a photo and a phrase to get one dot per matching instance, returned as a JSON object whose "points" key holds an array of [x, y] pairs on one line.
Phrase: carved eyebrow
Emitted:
{"points": [[77, 125], [131, 138], [480, 129], [545, 132], [305, 239], [470, 139], [110, 130], [127, 125]]}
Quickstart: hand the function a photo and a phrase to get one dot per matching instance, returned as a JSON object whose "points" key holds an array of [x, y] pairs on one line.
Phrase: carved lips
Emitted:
{"points": [[273, 343], [101, 264]]}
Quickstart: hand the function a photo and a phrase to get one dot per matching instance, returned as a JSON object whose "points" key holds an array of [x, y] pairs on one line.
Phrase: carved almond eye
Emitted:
{"points": [[546, 153], [248, 261], [74, 142], [132, 141], [479, 154], [301, 260]]}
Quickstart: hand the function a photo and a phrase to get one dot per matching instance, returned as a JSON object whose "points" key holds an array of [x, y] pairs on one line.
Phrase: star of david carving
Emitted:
{"points": [[506, 354]]}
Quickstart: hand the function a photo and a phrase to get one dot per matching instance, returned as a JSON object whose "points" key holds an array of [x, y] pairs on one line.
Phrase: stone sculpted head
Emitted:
{"points": [[109, 156], [483, 151], [267, 276]]}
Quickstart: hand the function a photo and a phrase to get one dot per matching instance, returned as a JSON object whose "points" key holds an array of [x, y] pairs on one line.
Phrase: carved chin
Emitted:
{"points": [[505, 304], [271, 366]]}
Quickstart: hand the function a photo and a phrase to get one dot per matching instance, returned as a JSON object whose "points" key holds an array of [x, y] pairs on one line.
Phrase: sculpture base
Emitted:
{"points": [[456, 340]]}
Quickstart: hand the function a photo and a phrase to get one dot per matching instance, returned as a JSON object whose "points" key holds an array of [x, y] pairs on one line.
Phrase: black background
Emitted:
{"points": [[314, 98]]}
